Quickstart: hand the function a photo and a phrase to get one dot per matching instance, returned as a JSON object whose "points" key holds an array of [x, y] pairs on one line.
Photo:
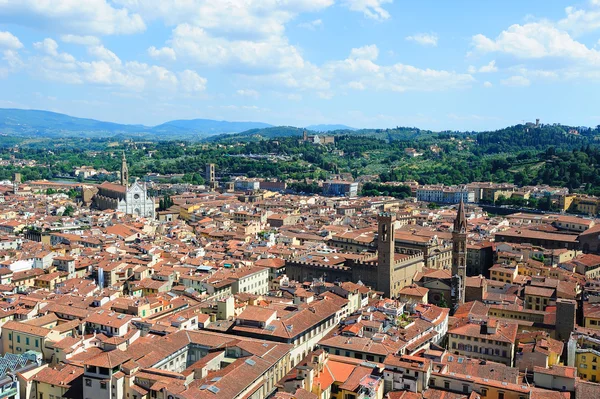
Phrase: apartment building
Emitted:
{"points": [[492, 340]]}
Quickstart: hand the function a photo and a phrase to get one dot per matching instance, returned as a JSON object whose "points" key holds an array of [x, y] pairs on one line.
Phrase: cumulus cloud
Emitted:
{"points": [[536, 40], [424, 39], [491, 67], [9, 41], [579, 21], [164, 53], [104, 54], [365, 53], [192, 82], [105, 68], [72, 17], [360, 72], [370, 8]]}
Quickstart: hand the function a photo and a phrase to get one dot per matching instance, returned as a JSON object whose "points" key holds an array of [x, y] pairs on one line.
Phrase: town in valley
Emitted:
{"points": [[243, 288]]}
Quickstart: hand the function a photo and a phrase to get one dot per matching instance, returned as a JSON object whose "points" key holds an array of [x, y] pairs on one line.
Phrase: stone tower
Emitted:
{"points": [[209, 175], [459, 257], [124, 171], [565, 324], [385, 252]]}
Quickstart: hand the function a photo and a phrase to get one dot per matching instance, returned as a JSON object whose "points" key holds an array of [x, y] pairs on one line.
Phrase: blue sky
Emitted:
{"points": [[461, 64]]}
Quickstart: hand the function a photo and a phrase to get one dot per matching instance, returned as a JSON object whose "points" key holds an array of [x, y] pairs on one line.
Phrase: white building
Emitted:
{"points": [[445, 194], [129, 199]]}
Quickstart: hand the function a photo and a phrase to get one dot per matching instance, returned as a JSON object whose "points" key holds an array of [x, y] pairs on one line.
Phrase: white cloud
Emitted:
{"points": [[82, 40], [536, 40], [165, 53], [516, 81], [487, 84], [370, 53], [192, 82], [9, 41], [233, 20], [105, 68], [104, 54], [12, 59], [311, 25], [246, 38], [424, 39], [48, 46], [196, 44], [491, 67], [248, 93], [77, 17], [370, 8], [360, 72], [580, 21]]}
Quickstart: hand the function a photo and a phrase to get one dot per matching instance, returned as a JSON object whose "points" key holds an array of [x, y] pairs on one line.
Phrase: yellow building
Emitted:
{"points": [[503, 274], [492, 340], [18, 338], [538, 298], [588, 206], [587, 361], [55, 382], [566, 201], [591, 315], [186, 210]]}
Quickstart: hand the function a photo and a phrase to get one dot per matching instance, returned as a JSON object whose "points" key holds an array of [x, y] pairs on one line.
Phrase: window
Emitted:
{"points": [[500, 395], [88, 382], [102, 385], [18, 339], [465, 388], [9, 336], [37, 343], [27, 343], [446, 384], [483, 392]]}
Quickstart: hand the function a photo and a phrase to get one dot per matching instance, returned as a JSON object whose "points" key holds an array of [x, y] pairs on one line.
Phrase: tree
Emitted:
{"points": [[165, 203]]}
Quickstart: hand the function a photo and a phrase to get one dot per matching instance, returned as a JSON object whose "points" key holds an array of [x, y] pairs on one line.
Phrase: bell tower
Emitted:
{"points": [[459, 257], [386, 241], [124, 171]]}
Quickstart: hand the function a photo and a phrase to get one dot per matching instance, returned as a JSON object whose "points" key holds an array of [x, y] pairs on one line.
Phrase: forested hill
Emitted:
{"points": [[521, 137]]}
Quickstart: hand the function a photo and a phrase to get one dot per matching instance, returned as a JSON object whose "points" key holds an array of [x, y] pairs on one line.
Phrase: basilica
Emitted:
{"points": [[129, 199]]}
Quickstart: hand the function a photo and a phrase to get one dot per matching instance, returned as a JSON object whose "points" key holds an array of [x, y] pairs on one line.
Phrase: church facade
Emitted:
{"points": [[130, 199]]}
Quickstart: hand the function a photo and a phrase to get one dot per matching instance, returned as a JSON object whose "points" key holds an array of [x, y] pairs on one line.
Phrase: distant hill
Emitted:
{"points": [[329, 128], [210, 127], [258, 134], [52, 124], [22, 121]]}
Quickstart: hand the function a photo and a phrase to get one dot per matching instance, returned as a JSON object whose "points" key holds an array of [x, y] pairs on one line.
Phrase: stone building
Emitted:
{"points": [[459, 257], [129, 199], [387, 270]]}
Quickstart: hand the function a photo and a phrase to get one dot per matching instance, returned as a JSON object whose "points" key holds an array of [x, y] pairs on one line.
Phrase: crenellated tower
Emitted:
{"points": [[459, 257]]}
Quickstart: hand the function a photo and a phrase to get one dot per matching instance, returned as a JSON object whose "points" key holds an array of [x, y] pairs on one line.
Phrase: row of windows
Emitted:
{"points": [[483, 340], [37, 342]]}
